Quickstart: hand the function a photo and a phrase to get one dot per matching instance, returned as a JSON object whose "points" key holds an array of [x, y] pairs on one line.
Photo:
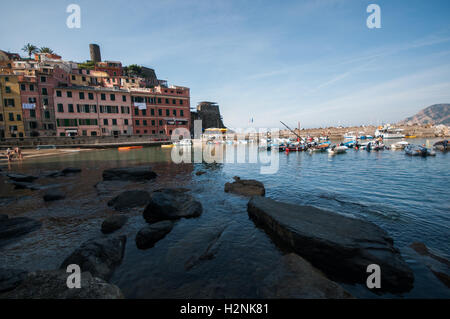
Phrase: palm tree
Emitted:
{"points": [[30, 49], [45, 50]]}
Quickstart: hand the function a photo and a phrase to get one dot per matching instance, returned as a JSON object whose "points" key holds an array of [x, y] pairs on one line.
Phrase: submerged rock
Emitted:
{"points": [[26, 185], [137, 173], [149, 235], [199, 173], [53, 195], [171, 204], [130, 199], [295, 278], [340, 246], [246, 187], [21, 178], [70, 170], [14, 227], [99, 256], [53, 285], [113, 223], [438, 265], [11, 278]]}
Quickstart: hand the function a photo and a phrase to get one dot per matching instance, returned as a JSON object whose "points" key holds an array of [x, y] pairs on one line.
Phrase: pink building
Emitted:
{"points": [[92, 111]]}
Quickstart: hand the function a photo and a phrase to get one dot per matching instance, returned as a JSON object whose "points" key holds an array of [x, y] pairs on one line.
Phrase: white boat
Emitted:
{"points": [[399, 145], [337, 150], [388, 132], [350, 135]]}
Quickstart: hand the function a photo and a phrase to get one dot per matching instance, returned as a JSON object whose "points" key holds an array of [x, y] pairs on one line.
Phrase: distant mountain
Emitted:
{"points": [[435, 114]]}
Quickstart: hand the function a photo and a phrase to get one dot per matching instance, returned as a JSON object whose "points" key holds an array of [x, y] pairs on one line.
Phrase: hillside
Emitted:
{"points": [[435, 114]]}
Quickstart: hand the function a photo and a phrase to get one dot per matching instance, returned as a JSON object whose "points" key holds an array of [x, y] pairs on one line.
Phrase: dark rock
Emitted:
{"points": [[53, 285], [137, 173], [22, 178], [99, 256], [14, 227], [10, 278], [171, 204], [70, 170], [295, 278], [130, 199], [51, 174], [438, 265], [340, 246], [244, 187], [149, 235], [53, 195], [199, 173], [3, 217], [113, 223], [26, 185]]}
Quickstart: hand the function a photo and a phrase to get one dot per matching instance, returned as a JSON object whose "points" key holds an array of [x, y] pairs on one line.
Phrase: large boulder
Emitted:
{"points": [[26, 185], [130, 199], [99, 256], [295, 278], [137, 173], [113, 223], [246, 187], [53, 195], [171, 204], [11, 278], [52, 284], [149, 235], [21, 177], [340, 246], [14, 227]]}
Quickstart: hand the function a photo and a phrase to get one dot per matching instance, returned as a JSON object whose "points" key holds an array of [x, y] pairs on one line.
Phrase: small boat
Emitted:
{"points": [[442, 146], [388, 132], [417, 150], [410, 136], [127, 148], [337, 150], [399, 145], [350, 135], [167, 146], [350, 144]]}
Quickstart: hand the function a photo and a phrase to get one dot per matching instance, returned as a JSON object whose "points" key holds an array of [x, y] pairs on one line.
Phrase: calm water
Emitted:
{"points": [[406, 196]]}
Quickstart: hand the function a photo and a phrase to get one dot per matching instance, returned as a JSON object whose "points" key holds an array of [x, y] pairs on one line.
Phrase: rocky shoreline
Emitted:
{"points": [[324, 248]]}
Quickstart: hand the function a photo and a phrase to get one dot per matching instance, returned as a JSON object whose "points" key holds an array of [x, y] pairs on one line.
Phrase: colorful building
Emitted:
{"points": [[89, 111], [11, 120]]}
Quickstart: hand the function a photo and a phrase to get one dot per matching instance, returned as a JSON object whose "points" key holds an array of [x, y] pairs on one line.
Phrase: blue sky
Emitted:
{"points": [[313, 61]]}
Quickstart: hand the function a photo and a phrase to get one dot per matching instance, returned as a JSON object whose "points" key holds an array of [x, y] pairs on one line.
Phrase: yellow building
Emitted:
{"points": [[11, 118]]}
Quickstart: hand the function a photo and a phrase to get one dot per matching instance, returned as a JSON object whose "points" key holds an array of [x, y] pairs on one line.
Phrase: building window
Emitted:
{"points": [[91, 96], [70, 108], [136, 111], [174, 101], [83, 78], [144, 112], [93, 133], [124, 98], [31, 87], [6, 79], [144, 122], [19, 117], [181, 102], [114, 121], [160, 122], [73, 77], [44, 91], [103, 97], [152, 111], [153, 132], [58, 93], [105, 121], [159, 100], [23, 87], [113, 97], [81, 95], [47, 114], [84, 133], [174, 112], [9, 102], [69, 93], [160, 112], [32, 113], [43, 79], [153, 122], [167, 112], [60, 108], [167, 101], [11, 117], [137, 123], [181, 113], [125, 121], [7, 89]]}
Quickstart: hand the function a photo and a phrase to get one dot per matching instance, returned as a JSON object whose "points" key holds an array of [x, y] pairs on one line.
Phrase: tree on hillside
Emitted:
{"points": [[45, 50], [29, 49], [133, 69]]}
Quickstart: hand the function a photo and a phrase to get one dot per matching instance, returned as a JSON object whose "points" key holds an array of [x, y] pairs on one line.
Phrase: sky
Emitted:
{"points": [[313, 62]]}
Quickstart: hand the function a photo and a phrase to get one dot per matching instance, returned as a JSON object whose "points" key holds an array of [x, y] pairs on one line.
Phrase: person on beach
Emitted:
{"points": [[9, 154], [18, 151]]}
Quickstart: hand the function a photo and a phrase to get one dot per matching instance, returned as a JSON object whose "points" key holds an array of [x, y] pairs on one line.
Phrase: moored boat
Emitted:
{"points": [[417, 150], [337, 150]]}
